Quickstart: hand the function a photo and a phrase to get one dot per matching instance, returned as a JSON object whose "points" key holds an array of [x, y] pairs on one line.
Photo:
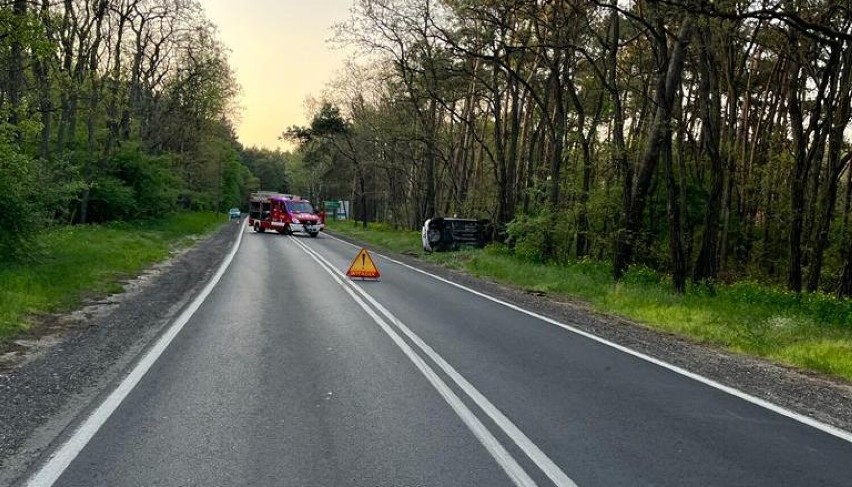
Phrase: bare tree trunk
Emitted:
{"points": [[844, 288], [16, 66], [582, 237], [836, 164], [676, 253], [94, 100], [804, 155], [623, 241], [669, 73], [558, 134], [706, 265]]}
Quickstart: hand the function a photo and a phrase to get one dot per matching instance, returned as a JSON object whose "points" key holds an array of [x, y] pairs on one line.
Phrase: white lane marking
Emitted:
{"points": [[62, 458], [824, 427], [509, 465], [518, 437]]}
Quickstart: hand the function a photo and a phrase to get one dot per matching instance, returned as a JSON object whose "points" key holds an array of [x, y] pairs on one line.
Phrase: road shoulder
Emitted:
{"points": [[45, 390]]}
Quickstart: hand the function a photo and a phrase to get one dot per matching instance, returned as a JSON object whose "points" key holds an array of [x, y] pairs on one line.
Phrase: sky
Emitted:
{"points": [[280, 55]]}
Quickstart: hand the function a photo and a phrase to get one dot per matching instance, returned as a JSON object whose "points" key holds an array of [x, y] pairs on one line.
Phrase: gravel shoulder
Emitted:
{"points": [[52, 375], [826, 399]]}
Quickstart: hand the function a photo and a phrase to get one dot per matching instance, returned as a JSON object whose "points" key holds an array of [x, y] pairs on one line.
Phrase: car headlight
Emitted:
{"points": [[295, 220]]}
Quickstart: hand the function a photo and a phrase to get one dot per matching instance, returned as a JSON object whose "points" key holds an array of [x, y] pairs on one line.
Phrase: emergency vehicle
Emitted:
{"points": [[284, 213]]}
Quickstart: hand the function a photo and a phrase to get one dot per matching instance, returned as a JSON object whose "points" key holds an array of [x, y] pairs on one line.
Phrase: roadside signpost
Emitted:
{"points": [[363, 267]]}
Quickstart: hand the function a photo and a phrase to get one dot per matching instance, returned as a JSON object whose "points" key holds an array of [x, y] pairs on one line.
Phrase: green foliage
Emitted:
{"points": [[381, 234], [153, 181], [269, 167], [111, 199], [529, 236], [20, 211], [136, 185], [86, 261], [640, 275], [237, 182], [89, 141], [58, 188], [543, 237]]}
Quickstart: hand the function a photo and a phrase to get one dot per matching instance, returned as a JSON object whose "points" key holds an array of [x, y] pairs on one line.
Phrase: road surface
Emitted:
{"points": [[289, 374]]}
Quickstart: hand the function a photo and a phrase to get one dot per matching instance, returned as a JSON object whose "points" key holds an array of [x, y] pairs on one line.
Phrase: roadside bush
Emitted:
{"points": [[135, 186], [59, 187], [496, 248], [544, 237], [528, 236], [154, 184], [642, 276], [110, 199], [20, 213]]}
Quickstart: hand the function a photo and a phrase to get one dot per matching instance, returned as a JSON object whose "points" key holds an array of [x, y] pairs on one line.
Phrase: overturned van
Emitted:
{"points": [[442, 234]]}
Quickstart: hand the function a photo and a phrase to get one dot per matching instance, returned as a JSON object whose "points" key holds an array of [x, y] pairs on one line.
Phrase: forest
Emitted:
{"points": [[708, 140], [116, 110]]}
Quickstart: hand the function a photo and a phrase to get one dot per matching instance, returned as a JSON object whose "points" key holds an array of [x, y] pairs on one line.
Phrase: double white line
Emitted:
{"points": [[503, 458]]}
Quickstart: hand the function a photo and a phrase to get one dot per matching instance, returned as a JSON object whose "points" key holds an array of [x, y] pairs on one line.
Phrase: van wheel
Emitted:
{"points": [[287, 230], [313, 234], [257, 228]]}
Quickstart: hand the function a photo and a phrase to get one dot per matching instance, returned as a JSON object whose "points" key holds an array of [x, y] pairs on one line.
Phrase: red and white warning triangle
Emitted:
{"points": [[363, 266]]}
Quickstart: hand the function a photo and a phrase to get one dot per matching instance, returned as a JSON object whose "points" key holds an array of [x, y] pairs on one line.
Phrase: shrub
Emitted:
{"points": [[20, 211], [155, 186], [642, 275], [110, 199], [529, 236]]}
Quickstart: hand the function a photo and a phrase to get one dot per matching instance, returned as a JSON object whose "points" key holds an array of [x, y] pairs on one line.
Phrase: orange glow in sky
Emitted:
{"points": [[280, 54]]}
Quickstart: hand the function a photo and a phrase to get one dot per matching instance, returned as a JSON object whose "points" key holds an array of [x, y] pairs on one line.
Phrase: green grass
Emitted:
{"points": [[72, 263], [811, 331], [381, 235]]}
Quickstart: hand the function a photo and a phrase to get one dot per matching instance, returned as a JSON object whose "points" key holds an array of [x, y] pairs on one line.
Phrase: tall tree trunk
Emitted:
{"points": [[113, 115], [676, 252], [66, 41], [797, 182], [431, 159], [844, 288], [836, 164], [512, 150], [557, 134], [669, 71], [16, 65], [94, 101], [706, 265], [582, 237], [804, 155], [623, 248]]}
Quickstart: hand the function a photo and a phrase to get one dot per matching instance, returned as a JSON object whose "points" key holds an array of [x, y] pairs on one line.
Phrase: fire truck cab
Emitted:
{"points": [[284, 213]]}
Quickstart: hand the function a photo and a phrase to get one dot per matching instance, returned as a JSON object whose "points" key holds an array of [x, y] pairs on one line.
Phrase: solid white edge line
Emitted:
{"points": [[503, 458], [50, 471], [826, 428], [542, 461]]}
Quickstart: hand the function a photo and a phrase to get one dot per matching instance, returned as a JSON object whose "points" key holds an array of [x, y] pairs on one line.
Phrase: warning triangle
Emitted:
{"points": [[363, 266]]}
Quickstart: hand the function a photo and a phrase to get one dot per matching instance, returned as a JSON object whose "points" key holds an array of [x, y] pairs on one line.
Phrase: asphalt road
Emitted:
{"points": [[289, 374]]}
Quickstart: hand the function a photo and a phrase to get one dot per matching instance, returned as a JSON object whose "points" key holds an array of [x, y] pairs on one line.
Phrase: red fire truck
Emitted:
{"points": [[284, 213]]}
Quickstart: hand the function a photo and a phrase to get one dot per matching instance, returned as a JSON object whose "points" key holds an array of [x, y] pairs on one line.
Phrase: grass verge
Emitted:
{"points": [[75, 262], [810, 331]]}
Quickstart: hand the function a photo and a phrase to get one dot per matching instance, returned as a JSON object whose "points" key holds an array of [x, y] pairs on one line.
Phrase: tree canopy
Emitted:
{"points": [[708, 140], [113, 109]]}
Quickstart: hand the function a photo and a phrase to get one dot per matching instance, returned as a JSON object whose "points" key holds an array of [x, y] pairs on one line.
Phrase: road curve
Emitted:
{"points": [[289, 374]]}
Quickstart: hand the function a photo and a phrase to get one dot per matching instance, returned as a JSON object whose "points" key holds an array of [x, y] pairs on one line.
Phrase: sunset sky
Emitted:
{"points": [[280, 54]]}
